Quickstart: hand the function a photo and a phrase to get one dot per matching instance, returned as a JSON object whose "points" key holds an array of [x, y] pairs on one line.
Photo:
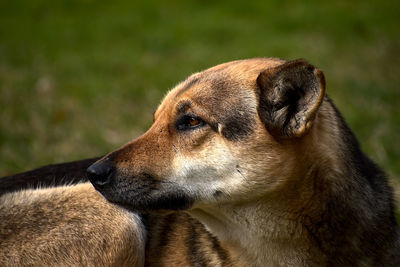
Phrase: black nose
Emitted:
{"points": [[101, 173]]}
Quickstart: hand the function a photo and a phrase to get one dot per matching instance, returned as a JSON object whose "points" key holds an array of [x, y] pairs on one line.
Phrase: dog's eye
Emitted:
{"points": [[194, 122], [188, 122]]}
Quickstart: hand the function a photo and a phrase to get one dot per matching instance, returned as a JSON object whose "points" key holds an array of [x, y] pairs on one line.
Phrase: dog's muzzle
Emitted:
{"points": [[101, 173]]}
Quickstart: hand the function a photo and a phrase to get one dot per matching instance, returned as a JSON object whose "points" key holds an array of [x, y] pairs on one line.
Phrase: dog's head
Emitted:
{"points": [[222, 135]]}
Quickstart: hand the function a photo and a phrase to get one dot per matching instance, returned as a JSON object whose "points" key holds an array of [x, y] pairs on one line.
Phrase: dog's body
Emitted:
{"points": [[249, 163], [67, 226]]}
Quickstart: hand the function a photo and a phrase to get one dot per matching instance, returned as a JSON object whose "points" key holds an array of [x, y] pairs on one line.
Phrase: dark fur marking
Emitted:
{"points": [[184, 106], [166, 232], [169, 201], [237, 127], [144, 193], [236, 119], [197, 257], [47, 176], [222, 255], [217, 193], [189, 84], [365, 166]]}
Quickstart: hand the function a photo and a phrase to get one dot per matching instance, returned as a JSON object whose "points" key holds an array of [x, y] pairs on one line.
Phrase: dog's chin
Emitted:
{"points": [[153, 202], [134, 209]]}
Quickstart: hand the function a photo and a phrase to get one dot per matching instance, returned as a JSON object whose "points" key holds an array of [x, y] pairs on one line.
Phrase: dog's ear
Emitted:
{"points": [[290, 96]]}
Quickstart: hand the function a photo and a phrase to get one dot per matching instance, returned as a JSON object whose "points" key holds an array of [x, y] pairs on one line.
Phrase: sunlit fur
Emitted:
{"points": [[68, 226]]}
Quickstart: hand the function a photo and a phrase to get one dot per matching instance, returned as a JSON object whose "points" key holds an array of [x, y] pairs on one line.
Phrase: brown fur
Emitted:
{"points": [[67, 226]]}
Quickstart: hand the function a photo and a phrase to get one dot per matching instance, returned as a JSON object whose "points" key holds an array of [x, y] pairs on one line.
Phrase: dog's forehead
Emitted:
{"points": [[227, 76], [222, 81]]}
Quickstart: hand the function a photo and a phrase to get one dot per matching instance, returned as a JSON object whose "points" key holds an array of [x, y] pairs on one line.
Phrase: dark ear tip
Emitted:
{"points": [[289, 65], [298, 63], [266, 77]]}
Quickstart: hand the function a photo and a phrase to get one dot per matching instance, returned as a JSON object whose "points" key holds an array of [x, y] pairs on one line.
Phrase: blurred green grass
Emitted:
{"points": [[80, 78]]}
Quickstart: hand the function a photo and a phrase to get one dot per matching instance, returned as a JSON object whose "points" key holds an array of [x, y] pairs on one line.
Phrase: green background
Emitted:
{"points": [[80, 78]]}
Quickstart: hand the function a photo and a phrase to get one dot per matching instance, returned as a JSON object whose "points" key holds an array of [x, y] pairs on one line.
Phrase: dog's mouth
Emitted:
{"points": [[141, 192], [145, 200]]}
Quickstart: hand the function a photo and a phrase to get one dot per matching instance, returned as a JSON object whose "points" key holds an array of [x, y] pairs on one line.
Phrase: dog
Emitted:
{"points": [[250, 163]]}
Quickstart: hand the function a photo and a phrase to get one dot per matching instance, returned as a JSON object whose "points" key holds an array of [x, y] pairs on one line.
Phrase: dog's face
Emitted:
{"points": [[220, 136]]}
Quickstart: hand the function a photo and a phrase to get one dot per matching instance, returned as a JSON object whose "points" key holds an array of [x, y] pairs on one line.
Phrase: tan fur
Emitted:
{"points": [[67, 226]]}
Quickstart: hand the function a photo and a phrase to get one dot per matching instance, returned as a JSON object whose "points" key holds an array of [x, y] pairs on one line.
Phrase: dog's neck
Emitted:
{"points": [[274, 230], [259, 233]]}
